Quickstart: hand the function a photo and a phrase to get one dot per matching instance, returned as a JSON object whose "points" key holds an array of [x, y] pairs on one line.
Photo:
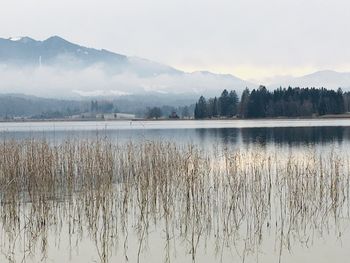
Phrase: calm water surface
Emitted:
{"points": [[225, 132]]}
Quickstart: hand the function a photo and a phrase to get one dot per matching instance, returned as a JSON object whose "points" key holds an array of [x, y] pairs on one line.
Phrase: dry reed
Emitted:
{"points": [[105, 190]]}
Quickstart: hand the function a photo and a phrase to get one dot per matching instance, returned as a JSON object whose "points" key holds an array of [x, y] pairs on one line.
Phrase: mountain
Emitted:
{"points": [[58, 52], [56, 67], [326, 78]]}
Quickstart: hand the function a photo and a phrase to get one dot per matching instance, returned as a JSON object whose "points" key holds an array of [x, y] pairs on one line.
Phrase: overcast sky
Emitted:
{"points": [[253, 39]]}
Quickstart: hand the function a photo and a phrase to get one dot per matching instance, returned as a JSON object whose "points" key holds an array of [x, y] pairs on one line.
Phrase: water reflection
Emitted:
{"points": [[300, 135], [121, 197], [282, 136]]}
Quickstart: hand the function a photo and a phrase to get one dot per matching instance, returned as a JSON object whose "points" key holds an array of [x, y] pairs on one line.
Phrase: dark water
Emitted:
{"points": [[263, 136]]}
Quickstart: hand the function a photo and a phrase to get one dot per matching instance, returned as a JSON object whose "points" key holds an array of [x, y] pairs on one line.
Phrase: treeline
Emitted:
{"points": [[29, 106], [183, 112], [103, 106], [282, 102], [224, 106]]}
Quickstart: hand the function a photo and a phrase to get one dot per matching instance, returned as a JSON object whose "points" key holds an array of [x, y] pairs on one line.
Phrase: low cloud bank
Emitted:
{"points": [[94, 81]]}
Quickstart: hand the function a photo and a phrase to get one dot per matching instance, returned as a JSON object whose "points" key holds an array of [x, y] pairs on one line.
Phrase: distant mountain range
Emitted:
{"points": [[327, 78], [98, 72], [56, 67]]}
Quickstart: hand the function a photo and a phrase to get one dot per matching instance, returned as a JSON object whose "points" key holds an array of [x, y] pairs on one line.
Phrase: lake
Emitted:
{"points": [[236, 132], [176, 191]]}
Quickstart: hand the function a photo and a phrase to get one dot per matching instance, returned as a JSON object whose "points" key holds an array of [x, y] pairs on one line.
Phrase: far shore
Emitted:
{"points": [[334, 116]]}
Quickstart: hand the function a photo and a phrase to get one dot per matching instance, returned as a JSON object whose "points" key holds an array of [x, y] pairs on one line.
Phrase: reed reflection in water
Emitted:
{"points": [[193, 202]]}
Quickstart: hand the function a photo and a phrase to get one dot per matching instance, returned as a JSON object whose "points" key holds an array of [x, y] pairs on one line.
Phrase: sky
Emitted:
{"points": [[252, 39]]}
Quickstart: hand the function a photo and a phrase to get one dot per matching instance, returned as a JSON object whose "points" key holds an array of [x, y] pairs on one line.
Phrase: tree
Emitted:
{"points": [[243, 106], [233, 103], [224, 104], [185, 112], [215, 112], [154, 112], [340, 101], [200, 111], [306, 108], [210, 107], [346, 101], [258, 103]]}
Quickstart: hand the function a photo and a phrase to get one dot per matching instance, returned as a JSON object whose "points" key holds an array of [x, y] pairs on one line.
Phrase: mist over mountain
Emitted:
{"points": [[58, 52], [326, 78], [56, 67]]}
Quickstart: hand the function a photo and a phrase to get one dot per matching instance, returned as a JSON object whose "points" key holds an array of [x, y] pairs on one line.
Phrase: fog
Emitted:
{"points": [[59, 82]]}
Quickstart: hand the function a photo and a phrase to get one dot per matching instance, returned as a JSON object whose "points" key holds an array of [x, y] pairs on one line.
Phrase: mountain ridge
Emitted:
{"points": [[330, 79], [98, 72], [72, 70]]}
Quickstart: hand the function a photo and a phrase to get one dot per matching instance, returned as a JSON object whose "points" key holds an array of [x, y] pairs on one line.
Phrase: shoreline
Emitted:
{"points": [[325, 117]]}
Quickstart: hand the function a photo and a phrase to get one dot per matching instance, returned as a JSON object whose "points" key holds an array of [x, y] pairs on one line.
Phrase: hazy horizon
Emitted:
{"points": [[57, 67], [265, 81]]}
